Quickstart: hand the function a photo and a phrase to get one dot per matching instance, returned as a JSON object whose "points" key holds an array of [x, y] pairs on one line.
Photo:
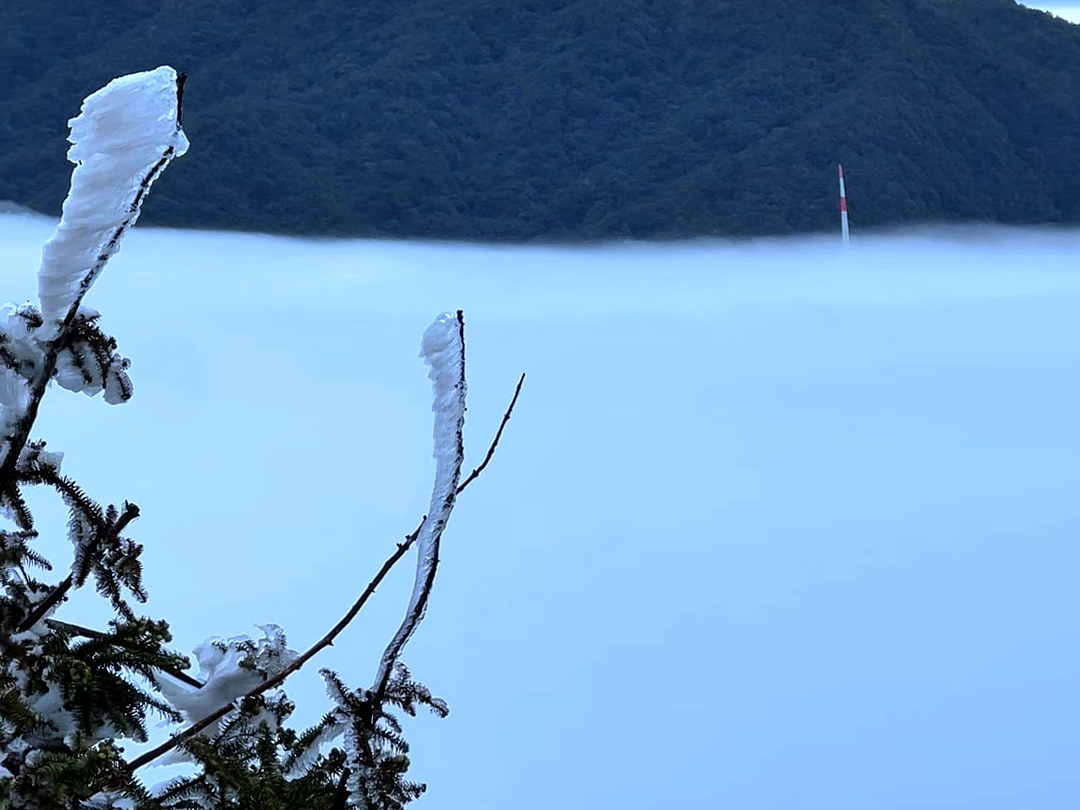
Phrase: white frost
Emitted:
{"points": [[124, 136], [14, 396], [442, 349], [108, 800], [327, 735], [19, 347], [229, 670]]}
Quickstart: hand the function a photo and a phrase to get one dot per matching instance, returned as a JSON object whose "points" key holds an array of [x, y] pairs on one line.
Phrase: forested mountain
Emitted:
{"points": [[567, 119]]}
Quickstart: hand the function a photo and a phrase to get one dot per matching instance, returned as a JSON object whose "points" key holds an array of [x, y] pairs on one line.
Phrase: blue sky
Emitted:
{"points": [[776, 525], [1065, 10]]}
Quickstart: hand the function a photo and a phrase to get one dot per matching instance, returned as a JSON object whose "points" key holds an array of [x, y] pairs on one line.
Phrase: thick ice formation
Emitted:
{"points": [[228, 670], [125, 135]]}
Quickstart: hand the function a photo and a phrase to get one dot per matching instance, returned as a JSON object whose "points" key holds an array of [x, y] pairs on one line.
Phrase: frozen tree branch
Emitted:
{"points": [[327, 640], [125, 136], [444, 350], [69, 693]]}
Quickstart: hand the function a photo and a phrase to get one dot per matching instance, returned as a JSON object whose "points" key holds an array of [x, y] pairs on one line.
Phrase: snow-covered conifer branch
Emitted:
{"points": [[65, 699], [114, 639]]}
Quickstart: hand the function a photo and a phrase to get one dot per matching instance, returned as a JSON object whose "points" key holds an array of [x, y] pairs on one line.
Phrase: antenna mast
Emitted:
{"points": [[845, 234]]}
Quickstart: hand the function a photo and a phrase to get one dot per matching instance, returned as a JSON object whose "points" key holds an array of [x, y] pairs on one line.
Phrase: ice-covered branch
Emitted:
{"points": [[124, 137], [121, 141], [228, 670], [443, 348], [328, 639]]}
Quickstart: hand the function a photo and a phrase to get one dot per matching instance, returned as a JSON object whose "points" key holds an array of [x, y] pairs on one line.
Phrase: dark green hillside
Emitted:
{"points": [[567, 119]]}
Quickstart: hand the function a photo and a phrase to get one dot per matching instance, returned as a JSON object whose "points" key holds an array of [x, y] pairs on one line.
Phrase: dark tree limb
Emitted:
{"points": [[341, 793], [86, 632]]}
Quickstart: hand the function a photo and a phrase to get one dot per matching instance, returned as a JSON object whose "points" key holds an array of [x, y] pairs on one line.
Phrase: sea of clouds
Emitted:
{"points": [[775, 525]]}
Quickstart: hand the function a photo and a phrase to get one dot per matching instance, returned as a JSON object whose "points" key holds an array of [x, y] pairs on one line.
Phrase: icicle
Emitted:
{"points": [[125, 135]]}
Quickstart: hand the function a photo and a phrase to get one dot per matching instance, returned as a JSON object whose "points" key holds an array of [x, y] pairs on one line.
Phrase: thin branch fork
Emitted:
{"points": [[149, 756], [495, 442]]}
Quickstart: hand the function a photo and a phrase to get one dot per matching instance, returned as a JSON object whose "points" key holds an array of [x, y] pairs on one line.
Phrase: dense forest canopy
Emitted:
{"points": [[567, 119]]}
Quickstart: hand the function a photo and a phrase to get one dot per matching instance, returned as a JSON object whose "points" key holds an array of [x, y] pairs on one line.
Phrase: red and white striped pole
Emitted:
{"points": [[845, 234]]}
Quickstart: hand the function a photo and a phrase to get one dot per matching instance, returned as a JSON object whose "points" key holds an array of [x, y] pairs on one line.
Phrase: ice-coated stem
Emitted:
{"points": [[443, 348]]}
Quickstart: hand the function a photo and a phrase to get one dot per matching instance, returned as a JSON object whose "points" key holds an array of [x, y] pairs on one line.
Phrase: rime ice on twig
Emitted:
{"points": [[228, 670], [443, 348], [124, 137]]}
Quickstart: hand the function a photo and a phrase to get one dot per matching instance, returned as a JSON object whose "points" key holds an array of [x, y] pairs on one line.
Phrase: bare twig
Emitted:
{"points": [[495, 442], [327, 640]]}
